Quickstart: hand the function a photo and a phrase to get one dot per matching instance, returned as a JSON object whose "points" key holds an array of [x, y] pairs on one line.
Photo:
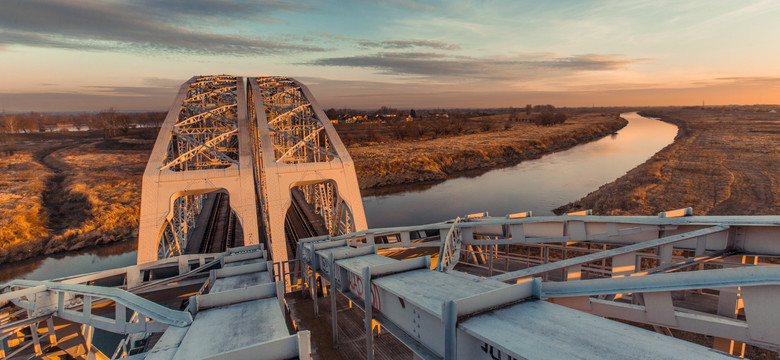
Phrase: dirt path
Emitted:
{"points": [[65, 209]]}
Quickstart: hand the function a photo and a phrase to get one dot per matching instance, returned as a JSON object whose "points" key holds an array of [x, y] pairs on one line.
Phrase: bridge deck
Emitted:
{"points": [[541, 330], [231, 320], [531, 329], [222, 329]]}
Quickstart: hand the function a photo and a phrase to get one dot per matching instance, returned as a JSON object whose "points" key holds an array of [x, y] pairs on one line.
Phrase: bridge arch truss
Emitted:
{"points": [[257, 140]]}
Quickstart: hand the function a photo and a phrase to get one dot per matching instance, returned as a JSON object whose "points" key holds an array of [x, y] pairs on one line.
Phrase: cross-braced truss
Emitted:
{"points": [[186, 210], [297, 133], [325, 201], [205, 135]]}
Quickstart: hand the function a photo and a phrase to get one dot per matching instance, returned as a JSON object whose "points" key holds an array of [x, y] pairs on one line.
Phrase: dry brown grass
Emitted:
{"points": [[725, 161], [22, 219], [407, 162], [64, 196], [110, 180]]}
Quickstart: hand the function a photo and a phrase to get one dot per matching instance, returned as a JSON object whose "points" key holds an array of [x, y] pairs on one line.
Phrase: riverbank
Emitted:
{"points": [[416, 162], [724, 161], [66, 195]]}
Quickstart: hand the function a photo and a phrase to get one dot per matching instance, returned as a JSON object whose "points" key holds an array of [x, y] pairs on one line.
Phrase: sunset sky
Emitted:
{"points": [[77, 55]]}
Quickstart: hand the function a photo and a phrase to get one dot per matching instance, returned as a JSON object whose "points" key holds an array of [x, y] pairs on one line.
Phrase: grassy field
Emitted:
{"points": [[67, 193], [22, 216], [63, 192], [411, 162], [724, 161]]}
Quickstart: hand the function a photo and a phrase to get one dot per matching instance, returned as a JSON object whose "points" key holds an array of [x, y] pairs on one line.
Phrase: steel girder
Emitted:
{"points": [[326, 203], [205, 135], [296, 131], [186, 210]]}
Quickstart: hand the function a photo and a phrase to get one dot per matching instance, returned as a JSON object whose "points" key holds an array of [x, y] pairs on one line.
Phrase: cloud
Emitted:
{"points": [[410, 4], [508, 68], [129, 90], [102, 25], [476, 94], [406, 44], [750, 80], [163, 82], [124, 100], [219, 8]]}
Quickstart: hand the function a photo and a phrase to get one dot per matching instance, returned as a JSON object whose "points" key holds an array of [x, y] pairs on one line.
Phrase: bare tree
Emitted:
{"points": [[10, 122], [111, 121], [31, 122]]}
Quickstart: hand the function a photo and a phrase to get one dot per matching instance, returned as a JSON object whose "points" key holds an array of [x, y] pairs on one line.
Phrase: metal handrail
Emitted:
{"points": [[449, 252]]}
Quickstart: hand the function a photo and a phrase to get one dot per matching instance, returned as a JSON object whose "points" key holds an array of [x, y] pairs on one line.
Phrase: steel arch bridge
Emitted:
{"points": [[257, 141]]}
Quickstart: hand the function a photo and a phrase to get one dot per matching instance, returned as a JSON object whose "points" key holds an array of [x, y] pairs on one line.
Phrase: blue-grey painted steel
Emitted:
{"points": [[131, 301], [421, 307], [607, 253], [719, 278]]}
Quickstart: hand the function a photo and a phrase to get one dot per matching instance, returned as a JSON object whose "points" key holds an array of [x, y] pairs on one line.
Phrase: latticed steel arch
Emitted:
{"points": [[297, 132], [325, 201], [208, 143], [203, 146], [186, 210], [300, 148], [205, 135]]}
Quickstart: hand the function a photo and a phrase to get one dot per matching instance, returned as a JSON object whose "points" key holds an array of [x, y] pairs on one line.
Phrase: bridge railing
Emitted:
{"points": [[290, 273], [64, 300], [580, 248]]}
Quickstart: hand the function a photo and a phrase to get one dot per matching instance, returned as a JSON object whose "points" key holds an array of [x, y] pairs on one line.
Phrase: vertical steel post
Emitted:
{"points": [[367, 306], [52, 334], [333, 310], [450, 318]]}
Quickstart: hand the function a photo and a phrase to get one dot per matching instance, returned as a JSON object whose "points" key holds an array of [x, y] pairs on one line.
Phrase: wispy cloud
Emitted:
{"points": [[406, 44], [103, 25], [506, 68], [128, 99], [162, 82], [230, 9], [750, 80]]}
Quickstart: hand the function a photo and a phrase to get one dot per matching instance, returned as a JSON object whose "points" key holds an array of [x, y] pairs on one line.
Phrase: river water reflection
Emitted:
{"points": [[539, 185]]}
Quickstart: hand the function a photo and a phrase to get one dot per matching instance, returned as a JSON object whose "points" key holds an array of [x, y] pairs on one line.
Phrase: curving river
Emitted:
{"points": [[539, 185]]}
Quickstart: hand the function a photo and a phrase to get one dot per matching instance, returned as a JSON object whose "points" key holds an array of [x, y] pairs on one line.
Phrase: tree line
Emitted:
{"points": [[111, 122]]}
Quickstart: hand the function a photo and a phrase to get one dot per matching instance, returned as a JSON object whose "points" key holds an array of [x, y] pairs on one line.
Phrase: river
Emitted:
{"points": [[538, 185]]}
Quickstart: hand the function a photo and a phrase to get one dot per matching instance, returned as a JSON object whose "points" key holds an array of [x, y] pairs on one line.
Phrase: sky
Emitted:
{"points": [[89, 55]]}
